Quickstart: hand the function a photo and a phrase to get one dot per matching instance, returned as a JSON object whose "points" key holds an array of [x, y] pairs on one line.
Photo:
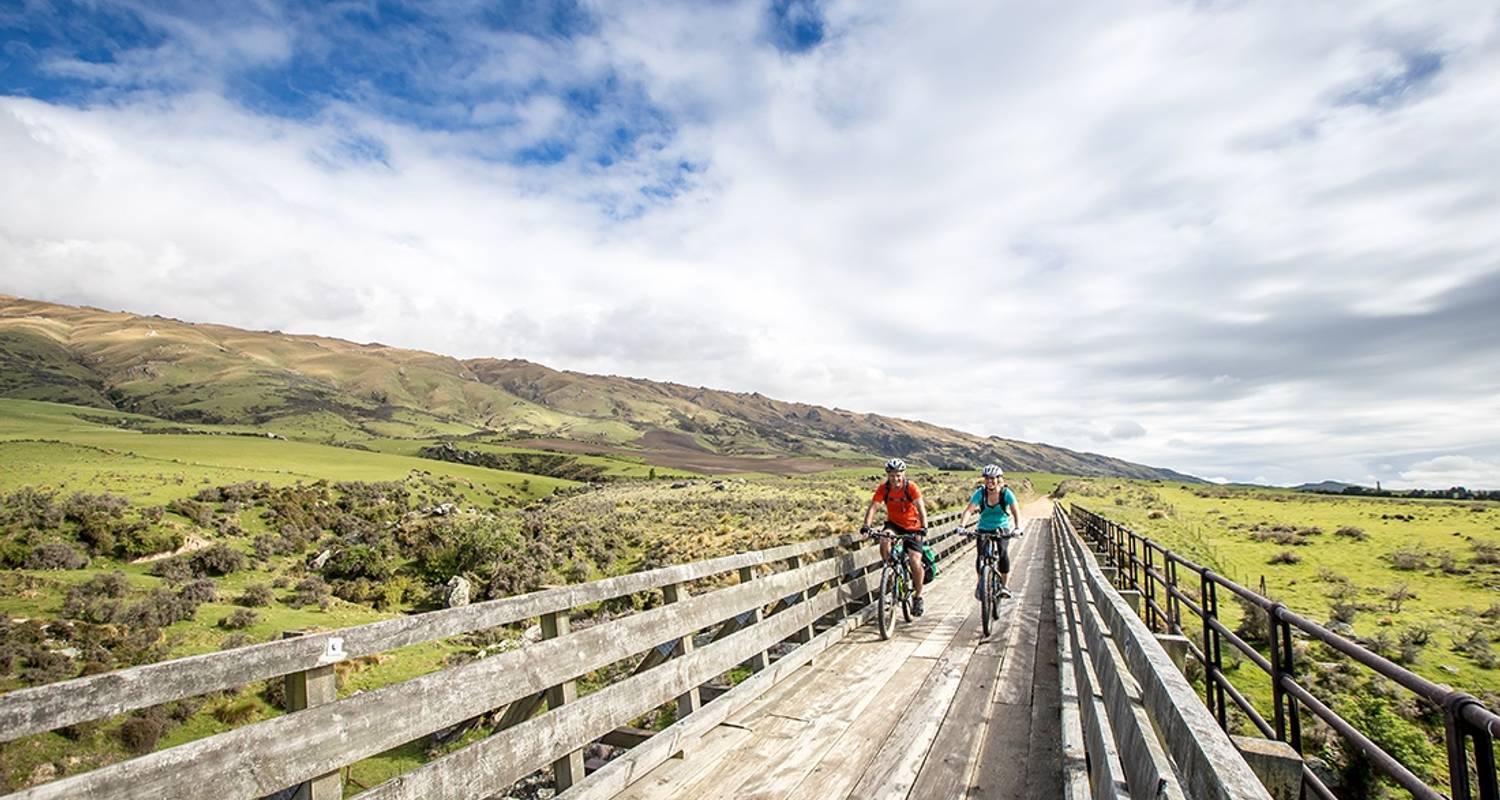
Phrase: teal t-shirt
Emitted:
{"points": [[997, 517]]}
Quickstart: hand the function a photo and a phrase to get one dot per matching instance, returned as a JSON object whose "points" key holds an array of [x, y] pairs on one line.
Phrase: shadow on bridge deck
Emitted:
{"points": [[938, 711]]}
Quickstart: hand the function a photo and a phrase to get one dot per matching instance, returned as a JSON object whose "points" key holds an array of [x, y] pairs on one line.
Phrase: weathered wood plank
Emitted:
{"points": [[267, 756], [27, 711], [630, 767], [955, 752], [492, 765], [896, 764]]}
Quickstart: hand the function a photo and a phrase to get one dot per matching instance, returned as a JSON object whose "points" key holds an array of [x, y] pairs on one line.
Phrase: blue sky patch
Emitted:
{"points": [[1418, 70], [796, 26]]}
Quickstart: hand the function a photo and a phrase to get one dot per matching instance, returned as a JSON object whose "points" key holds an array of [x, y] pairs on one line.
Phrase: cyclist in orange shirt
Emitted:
{"points": [[905, 516]]}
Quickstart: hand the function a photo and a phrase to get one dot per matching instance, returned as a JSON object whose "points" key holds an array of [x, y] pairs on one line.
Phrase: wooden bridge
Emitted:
{"points": [[1071, 696]]}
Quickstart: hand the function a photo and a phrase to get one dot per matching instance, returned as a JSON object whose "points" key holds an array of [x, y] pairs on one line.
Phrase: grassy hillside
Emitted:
{"points": [[1417, 581], [336, 392]]}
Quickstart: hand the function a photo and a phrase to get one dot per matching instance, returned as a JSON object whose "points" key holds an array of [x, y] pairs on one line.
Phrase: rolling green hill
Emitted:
{"points": [[332, 391]]}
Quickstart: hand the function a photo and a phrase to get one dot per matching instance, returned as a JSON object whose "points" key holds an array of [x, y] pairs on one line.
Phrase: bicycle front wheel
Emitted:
{"points": [[986, 614], [995, 586], [885, 604]]}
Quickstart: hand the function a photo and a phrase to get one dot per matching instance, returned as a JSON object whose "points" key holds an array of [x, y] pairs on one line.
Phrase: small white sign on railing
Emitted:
{"points": [[333, 651]]}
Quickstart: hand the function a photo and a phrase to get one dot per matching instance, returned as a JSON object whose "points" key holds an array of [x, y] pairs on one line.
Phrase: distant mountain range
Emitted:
{"points": [[1334, 487], [323, 389]]}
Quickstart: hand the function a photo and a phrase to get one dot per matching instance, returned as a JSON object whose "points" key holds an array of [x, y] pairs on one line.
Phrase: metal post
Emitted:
{"points": [[1289, 670], [1150, 591], [1458, 755], [1278, 694]]}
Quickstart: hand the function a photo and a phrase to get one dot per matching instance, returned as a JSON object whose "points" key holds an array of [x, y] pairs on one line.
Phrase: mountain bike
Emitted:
{"points": [[895, 585], [990, 583]]}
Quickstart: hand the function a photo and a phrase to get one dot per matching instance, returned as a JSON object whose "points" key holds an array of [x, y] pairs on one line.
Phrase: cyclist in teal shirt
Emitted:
{"points": [[996, 505]]}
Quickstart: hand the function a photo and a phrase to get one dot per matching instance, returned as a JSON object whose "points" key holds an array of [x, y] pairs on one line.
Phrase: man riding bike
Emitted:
{"points": [[996, 505], [906, 516]]}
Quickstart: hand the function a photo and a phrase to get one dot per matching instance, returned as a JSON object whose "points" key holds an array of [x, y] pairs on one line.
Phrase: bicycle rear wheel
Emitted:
{"points": [[885, 604]]}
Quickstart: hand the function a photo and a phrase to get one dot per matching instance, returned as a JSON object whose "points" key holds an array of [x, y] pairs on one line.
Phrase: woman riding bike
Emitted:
{"points": [[996, 505], [906, 515]]}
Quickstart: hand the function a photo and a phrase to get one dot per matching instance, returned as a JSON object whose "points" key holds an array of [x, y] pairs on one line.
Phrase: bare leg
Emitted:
{"points": [[914, 557]]}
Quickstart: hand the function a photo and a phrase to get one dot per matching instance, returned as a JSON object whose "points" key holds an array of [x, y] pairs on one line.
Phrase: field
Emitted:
{"points": [[1417, 581]]}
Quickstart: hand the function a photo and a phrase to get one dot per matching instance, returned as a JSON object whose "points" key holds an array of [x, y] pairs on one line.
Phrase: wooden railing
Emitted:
{"points": [[783, 594]]}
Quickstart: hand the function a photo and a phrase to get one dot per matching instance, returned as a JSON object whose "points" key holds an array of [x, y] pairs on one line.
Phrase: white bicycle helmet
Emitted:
{"points": [[992, 471], [895, 465]]}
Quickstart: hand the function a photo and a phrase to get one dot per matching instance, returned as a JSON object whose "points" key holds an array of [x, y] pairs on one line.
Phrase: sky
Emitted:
{"points": [[1251, 241]]}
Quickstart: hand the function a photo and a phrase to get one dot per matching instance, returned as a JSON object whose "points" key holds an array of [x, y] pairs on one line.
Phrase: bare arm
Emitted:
{"points": [[870, 512], [963, 521], [922, 512], [1015, 517]]}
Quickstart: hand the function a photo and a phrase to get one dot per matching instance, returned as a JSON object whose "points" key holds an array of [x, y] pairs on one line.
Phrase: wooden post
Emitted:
{"points": [[758, 661], [567, 770], [803, 635], [313, 687], [690, 702]]}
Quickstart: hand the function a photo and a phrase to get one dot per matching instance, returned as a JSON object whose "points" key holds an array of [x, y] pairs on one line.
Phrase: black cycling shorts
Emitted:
{"points": [[1003, 560], [911, 540]]}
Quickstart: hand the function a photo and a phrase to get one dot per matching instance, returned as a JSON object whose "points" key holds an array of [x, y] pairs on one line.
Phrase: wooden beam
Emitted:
{"points": [[568, 768], [43, 708], [314, 687], [690, 700]]}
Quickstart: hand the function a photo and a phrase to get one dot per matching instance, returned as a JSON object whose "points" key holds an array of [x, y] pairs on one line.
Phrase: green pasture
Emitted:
{"points": [[77, 449], [1215, 526]]}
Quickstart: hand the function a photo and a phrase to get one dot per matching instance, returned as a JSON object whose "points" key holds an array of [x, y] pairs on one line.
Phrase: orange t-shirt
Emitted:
{"points": [[901, 505]]}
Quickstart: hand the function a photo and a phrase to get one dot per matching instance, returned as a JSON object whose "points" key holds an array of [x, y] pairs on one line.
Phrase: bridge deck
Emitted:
{"points": [[938, 711]]}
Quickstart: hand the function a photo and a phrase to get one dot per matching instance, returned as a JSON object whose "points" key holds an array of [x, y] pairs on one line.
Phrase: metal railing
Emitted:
{"points": [[1156, 572]]}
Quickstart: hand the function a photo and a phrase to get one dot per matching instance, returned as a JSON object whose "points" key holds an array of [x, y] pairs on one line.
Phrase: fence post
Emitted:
{"points": [[306, 689], [803, 635], [1289, 669], [690, 702], [1150, 590], [567, 770], [758, 661]]}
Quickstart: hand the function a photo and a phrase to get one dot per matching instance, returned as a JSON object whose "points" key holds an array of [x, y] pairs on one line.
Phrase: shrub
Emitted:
{"points": [[311, 591], [55, 555], [1486, 552], [256, 595], [1284, 557], [1351, 532], [45, 666], [217, 559], [199, 591], [142, 731], [1407, 559], [239, 619]]}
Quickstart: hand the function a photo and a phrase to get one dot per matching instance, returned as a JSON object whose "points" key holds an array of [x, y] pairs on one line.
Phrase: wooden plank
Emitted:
{"points": [[43, 708], [267, 756], [304, 690], [626, 769], [956, 752], [900, 758], [492, 765]]}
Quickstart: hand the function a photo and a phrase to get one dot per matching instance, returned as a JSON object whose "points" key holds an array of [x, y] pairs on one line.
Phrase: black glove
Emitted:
{"points": [[864, 530]]}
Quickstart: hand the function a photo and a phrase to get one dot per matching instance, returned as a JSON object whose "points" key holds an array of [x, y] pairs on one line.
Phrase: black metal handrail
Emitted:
{"points": [[1151, 569]]}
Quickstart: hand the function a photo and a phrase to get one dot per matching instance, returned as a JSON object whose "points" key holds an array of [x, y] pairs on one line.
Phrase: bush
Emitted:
{"points": [[311, 591], [1351, 532], [239, 619], [217, 559], [142, 731], [1407, 559], [1284, 557], [199, 591], [55, 555], [256, 595], [1486, 552]]}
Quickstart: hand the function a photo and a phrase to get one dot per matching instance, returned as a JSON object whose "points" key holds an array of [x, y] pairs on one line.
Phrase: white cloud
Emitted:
{"points": [[1008, 218], [1450, 470]]}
